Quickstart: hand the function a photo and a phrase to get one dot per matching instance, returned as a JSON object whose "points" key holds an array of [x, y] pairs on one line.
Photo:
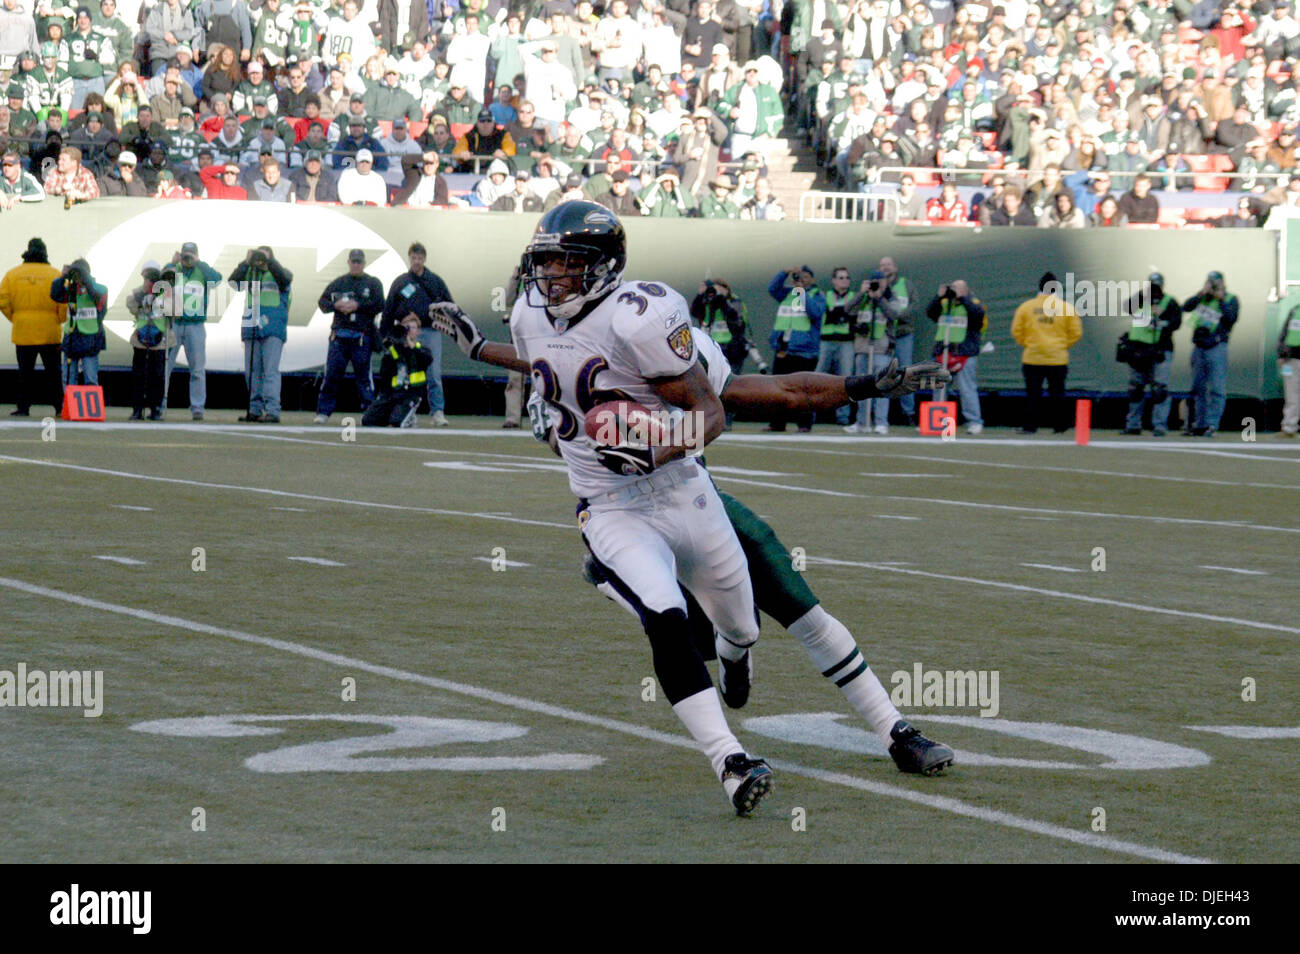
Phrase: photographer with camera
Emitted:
{"points": [[149, 344], [1148, 349], [355, 299], [1288, 368], [796, 333], [411, 293], [83, 337], [190, 280], [836, 349], [403, 373], [265, 326], [877, 310], [722, 316], [960, 319], [1213, 312]]}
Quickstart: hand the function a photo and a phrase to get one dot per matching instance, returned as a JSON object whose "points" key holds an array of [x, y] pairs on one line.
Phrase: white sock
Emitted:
{"points": [[703, 718], [832, 649], [728, 650]]}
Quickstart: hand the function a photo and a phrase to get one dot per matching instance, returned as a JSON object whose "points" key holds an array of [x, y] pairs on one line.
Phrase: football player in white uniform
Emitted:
{"points": [[649, 515], [779, 591]]}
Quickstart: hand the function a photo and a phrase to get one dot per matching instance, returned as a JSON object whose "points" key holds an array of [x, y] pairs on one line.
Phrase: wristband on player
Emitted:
{"points": [[861, 387]]}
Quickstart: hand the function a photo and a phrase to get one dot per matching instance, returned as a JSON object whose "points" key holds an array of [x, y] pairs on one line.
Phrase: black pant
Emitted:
{"points": [[1054, 375], [27, 382], [391, 409], [790, 364], [147, 369]]}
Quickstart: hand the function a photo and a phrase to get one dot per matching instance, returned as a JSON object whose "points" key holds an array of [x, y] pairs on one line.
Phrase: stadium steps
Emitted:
{"points": [[792, 169]]}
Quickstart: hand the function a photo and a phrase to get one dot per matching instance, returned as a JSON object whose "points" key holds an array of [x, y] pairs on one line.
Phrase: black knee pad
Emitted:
{"points": [[678, 665]]}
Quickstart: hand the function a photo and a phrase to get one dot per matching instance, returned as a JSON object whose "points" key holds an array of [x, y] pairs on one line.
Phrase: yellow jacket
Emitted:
{"points": [[1047, 328], [25, 300]]}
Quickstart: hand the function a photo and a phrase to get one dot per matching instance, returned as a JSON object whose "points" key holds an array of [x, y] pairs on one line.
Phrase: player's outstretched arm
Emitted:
{"points": [[451, 320], [691, 392], [810, 391]]}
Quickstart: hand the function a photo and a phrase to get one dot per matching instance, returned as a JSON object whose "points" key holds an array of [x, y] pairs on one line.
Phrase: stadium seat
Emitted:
{"points": [[927, 178], [383, 128], [459, 129], [1172, 216], [416, 129]]}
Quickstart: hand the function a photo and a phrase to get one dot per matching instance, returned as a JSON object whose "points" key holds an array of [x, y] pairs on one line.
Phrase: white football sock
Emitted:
{"points": [[832, 649], [703, 718]]}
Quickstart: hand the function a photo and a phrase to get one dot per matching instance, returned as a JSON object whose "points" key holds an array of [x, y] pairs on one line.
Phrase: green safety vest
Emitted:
{"points": [[1207, 314], [835, 300], [1293, 333], [952, 324], [193, 293], [1145, 330], [792, 313], [269, 292], [152, 315], [402, 378], [716, 322], [83, 316]]}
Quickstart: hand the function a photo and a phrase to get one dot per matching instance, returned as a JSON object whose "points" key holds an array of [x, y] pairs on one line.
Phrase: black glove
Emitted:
{"points": [[452, 321], [895, 380], [626, 461]]}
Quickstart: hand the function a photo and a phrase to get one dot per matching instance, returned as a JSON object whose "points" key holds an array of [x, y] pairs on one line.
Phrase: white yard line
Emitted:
{"points": [[280, 493], [941, 803], [132, 507], [316, 561], [1092, 473], [1060, 594], [1052, 566], [125, 561], [883, 474], [493, 560], [1232, 569]]}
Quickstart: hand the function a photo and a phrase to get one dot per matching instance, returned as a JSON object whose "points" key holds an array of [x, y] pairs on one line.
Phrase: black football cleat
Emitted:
{"points": [[914, 754], [754, 778], [735, 678]]}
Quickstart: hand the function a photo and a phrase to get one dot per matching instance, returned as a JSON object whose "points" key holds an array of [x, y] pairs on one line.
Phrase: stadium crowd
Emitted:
{"points": [[656, 107]]}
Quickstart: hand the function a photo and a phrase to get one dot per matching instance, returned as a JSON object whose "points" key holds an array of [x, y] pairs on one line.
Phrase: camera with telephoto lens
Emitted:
{"points": [[949, 294], [875, 285], [259, 260]]}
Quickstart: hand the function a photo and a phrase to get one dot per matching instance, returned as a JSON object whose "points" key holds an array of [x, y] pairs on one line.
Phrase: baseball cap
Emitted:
{"points": [[190, 248], [357, 120], [356, 255], [399, 123], [357, 98], [573, 180], [127, 158], [718, 48], [1215, 276], [523, 175], [49, 51], [268, 123], [186, 111], [484, 115], [254, 66], [259, 101], [365, 155], [1155, 278], [314, 154], [16, 91], [184, 48], [619, 176]]}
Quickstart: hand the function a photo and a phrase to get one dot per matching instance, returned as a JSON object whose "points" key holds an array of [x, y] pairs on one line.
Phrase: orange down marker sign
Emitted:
{"points": [[83, 402]]}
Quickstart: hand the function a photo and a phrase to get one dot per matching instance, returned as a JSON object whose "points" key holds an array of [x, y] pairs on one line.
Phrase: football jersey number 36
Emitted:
{"points": [[585, 393]]}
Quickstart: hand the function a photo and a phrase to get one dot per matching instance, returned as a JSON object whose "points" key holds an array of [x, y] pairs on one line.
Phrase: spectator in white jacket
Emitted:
{"points": [[550, 85], [617, 43], [467, 55], [17, 31], [361, 184], [396, 145]]}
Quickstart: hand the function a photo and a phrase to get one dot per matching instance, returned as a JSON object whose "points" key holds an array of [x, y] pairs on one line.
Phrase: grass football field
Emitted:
{"points": [[381, 649]]}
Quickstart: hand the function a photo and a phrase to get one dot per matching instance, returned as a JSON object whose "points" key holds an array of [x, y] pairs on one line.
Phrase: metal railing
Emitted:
{"points": [[848, 207], [963, 176]]}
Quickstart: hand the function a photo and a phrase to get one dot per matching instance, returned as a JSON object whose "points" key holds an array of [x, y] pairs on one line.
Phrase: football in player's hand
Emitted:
{"points": [[625, 422]]}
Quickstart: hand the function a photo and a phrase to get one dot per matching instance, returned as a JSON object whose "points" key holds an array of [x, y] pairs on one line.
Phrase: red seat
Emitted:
{"points": [[1173, 216], [927, 178], [416, 129], [459, 129], [384, 128], [1207, 214]]}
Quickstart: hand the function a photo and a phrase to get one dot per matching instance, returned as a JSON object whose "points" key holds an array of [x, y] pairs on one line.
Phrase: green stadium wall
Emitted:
{"points": [[475, 254]]}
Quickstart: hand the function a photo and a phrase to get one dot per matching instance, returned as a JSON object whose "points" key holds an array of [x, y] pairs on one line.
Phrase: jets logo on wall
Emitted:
{"points": [[310, 241]]}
